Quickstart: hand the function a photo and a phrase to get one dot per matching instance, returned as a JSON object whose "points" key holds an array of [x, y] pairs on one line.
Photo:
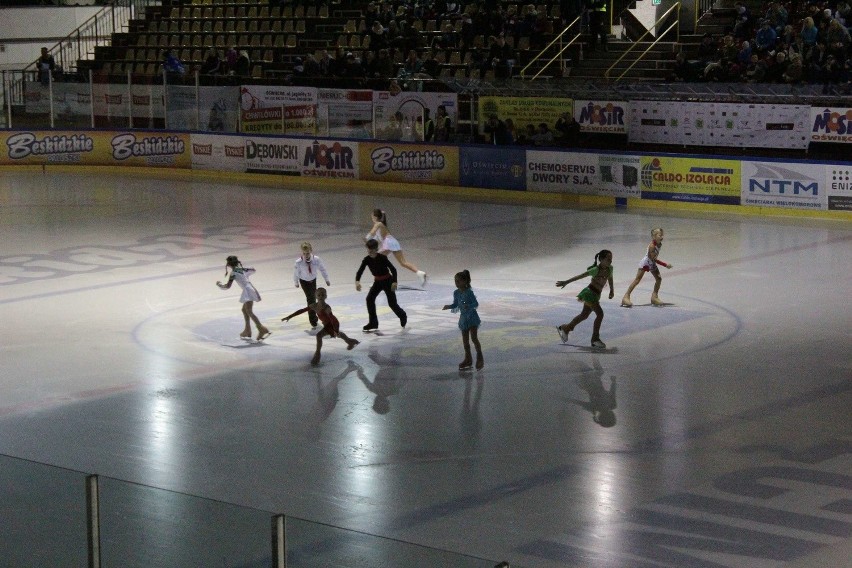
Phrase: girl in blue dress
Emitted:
{"points": [[465, 304]]}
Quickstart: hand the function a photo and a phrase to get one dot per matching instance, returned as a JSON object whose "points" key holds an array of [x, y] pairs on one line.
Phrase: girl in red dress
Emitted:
{"points": [[330, 325]]}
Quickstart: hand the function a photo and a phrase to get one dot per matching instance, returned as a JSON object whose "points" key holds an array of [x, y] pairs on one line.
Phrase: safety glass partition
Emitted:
{"points": [[141, 527], [42, 515], [314, 545], [31, 100]]}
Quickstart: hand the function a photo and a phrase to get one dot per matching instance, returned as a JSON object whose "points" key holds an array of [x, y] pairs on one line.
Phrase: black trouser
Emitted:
{"points": [[597, 27], [382, 286], [309, 287]]}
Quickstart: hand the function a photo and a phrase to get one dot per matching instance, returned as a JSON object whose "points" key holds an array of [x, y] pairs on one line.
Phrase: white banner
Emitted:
{"points": [[593, 174], [346, 113], [780, 184], [411, 105], [838, 179], [601, 116], [328, 158], [273, 155], [218, 152], [832, 124], [720, 124], [278, 109]]}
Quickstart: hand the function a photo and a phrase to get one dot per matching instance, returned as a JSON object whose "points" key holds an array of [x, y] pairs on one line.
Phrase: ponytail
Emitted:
{"points": [[603, 253], [381, 216]]}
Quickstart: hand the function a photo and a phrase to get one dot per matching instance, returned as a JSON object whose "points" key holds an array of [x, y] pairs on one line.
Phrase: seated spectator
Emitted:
{"points": [[543, 136], [411, 66], [777, 17], [837, 39], [831, 73], [744, 55], [172, 66], [378, 37], [384, 65], [795, 72], [212, 63], [243, 66], [777, 67], [526, 136], [685, 71], [807, 36], [755, 72], [448, 39], [496, 132], [764, 39], [311, 66], [326, 63], [708, 50], [231, 57], [431, 65], [742, 21]]}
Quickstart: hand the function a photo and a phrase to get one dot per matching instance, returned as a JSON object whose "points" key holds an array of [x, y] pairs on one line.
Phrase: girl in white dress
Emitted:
{"points": [[249, 296], [388, 244]]}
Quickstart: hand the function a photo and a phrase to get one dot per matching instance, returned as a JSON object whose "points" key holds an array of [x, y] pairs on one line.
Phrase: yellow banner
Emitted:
{"points": [[691, 179], [524, 111], [410, 163], [95, 148]]}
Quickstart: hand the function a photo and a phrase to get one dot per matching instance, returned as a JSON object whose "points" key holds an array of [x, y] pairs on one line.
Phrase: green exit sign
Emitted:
{"points": [[656, 2]]}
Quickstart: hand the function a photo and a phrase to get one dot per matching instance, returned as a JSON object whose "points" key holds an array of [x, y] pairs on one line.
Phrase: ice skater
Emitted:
{"points": [[305, 271], [249, 296], [649, 264], [465, 304], [388, 244], [384, 280], [331, 327], [601, 273]]}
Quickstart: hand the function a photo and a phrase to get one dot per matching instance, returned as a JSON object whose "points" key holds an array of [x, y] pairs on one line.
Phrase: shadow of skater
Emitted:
{"points": [[328, 394], [601, 401], [379, 380]]}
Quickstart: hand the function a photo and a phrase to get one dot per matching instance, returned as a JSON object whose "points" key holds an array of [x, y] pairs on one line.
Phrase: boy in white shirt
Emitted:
{"points": [[305, 275]]}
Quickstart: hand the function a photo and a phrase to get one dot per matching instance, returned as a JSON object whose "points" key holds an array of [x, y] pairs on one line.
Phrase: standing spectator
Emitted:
{"points": [[837, 39], [443, 125], [496, 132], [543, 136], [567, 129], [46, 66], [808, 36], [596, 10], [742, 21]]}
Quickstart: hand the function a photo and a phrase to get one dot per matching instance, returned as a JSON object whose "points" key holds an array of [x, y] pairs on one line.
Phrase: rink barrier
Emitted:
{"points": [[758, 186]]}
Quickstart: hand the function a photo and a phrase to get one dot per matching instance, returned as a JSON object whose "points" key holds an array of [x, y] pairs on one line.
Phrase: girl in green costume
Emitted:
{"points": [[601, 273]]}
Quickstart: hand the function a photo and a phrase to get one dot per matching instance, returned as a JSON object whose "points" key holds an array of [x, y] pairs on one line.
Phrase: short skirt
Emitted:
{"points": [[332, 327], [469, 319], [589, 296], [391, 244], [250, 294]]}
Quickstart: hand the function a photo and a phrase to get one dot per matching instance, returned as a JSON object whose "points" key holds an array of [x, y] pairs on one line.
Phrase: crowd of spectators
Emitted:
{"points": [[482, 32], [792, 43], [565, 132]]}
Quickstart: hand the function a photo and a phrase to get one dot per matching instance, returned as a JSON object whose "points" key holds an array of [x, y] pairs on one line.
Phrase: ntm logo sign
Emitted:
{"points": [[773, 179]]}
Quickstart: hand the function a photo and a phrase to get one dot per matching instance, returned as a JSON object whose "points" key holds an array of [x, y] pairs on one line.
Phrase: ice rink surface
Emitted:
{"points": [[713, 431]]}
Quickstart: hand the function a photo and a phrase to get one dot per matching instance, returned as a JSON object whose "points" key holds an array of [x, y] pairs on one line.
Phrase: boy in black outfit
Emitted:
{"points": [[384, 280]]}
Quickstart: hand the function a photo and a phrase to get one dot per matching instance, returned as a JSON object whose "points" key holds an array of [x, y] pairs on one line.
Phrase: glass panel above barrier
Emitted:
{"points": [[314, 545], [43, 520], [143, 527]]}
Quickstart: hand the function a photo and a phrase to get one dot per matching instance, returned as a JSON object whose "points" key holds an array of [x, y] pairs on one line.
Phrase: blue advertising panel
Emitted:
{"points": [[493, 167]]}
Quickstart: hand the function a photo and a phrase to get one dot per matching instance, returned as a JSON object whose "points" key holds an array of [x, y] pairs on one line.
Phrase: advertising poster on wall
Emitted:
{"points": [[411, 163], [831, 124], [608, 117], [697, 180], [96, 148], [407, 126], [839, 185], [483, 167], [329, 158], [181, 107], [53, 147], [218, 152], [71, 100], [523, 111], [720, 124], [116, 101], [278, 109], [218, 108], [779, 184], [273, 155], [345, 113], [153, 149], [583, 173]]}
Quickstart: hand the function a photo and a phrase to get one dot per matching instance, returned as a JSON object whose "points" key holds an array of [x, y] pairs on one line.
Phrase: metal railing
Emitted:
{"points": [[700, 7], [660, 36], [558, 55]]}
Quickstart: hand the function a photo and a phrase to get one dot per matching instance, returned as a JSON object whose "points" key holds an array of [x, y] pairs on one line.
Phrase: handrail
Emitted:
{"points": [[700, 7], [676, 24], [545, 48]]}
